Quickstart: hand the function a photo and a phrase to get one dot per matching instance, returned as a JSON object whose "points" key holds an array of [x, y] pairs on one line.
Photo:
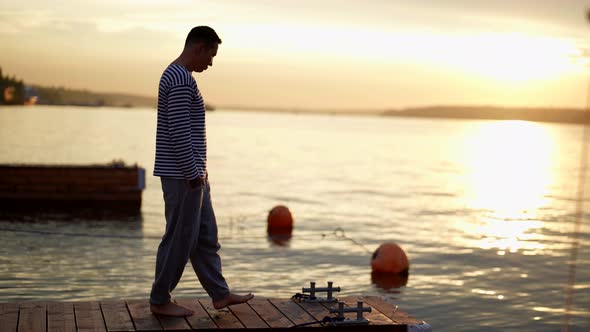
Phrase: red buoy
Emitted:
{"points": [[390, 258], [279, 221]]}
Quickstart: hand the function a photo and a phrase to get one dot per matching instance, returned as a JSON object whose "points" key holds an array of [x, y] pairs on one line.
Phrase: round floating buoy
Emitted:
{"points": [[390, 258], [279, 221]]}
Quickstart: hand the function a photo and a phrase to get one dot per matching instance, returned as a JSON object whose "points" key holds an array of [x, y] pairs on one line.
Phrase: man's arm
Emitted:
{"points": [[179, 99], [199, 181]]}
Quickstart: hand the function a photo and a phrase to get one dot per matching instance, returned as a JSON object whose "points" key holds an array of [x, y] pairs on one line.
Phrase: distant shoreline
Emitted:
{"points": [[537, 114], [294, 110], [15, 92], [59, 96]]}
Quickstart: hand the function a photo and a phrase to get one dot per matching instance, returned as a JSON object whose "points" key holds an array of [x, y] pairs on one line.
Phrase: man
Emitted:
{"points": [[181, 162]]}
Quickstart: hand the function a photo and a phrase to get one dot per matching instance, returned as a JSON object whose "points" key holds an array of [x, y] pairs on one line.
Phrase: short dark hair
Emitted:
{"points": [[203, 34]]}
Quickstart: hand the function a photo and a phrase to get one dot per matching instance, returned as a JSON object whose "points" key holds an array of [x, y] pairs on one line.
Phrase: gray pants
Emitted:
{"points": [[191, 233]]}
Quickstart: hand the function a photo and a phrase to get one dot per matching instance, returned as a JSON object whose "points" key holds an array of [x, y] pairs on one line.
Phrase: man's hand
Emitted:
{"points": [[194, 183]]}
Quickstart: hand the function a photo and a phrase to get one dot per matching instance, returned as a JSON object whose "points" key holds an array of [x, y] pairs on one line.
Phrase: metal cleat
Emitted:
{"points": [[341, 320], [312, 290]]}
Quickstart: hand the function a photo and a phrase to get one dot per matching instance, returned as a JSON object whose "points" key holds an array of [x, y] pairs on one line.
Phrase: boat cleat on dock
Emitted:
{"points": [[312, 290]]}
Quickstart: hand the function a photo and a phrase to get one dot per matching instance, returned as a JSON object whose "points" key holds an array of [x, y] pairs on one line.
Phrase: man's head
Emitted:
{"points": [[201, 45]]}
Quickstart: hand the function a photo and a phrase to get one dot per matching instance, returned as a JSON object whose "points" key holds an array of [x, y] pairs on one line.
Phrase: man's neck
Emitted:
{"points": [[182, 62]]}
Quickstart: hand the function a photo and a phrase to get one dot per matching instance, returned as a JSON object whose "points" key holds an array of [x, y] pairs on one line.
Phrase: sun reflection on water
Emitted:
{"points": [[510, 174]]}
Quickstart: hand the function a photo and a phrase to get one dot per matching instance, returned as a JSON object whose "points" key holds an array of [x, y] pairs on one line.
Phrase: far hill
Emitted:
{"points": [[63, 96], [562, 115], [14, 91]]}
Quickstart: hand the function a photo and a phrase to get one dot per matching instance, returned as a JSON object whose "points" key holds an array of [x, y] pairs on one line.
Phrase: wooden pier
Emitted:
{"points": [[259, 314], [70, 187]]}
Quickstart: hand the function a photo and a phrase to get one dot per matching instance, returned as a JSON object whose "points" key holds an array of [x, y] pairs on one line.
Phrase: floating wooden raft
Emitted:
{"points": [[33, 187], [257, 315]]}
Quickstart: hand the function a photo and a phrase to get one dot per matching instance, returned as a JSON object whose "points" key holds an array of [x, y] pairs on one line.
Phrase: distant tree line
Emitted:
{"points": [[15, 92], [62, 96], [540, 114], [12, 90]]}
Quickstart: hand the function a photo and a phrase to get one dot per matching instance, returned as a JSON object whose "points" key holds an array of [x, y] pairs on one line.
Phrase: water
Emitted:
{"points": [[484, 209]]}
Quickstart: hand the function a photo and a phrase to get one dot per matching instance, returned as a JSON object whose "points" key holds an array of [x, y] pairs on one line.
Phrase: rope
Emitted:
{"points": [[102, 236], [300, 297], [339, 233], [108, 236], [232, 220]]}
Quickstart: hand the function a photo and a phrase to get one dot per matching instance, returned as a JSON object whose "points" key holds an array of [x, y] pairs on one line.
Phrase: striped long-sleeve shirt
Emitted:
{"points": [[181, 142]]}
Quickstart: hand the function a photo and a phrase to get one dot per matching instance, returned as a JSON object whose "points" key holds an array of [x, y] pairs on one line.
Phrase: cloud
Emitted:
{"points": [[14, 22], [136, 38]]}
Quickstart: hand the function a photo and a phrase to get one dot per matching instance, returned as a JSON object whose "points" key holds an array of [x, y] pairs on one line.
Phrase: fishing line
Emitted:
{"points": [[103, 236], [72, 234], [338, 233], [578, 220]]}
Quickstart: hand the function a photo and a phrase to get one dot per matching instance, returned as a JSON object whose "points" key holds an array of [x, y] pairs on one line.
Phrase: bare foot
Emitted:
{"points": [[232, 299], [170, 309]]}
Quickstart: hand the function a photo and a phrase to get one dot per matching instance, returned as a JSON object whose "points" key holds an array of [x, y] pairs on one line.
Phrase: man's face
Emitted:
{"points": [[204, 56]]}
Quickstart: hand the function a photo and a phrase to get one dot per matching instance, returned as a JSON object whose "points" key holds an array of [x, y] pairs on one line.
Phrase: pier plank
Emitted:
{"points": [[260, 314], [224, 318], [173, 323], [292, 311], [116, 317], [390, 310], [32, 317], [60, 317], [269, 313], [89, 317], [142, 317], [200, 320], [8, 316], [248, 316], [317, 310]]}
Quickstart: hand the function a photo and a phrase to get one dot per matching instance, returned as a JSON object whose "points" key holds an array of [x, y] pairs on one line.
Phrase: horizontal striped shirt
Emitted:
{"points": [[181, 141]]}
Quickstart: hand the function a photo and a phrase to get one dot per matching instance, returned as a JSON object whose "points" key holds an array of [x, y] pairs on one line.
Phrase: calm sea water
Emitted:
{"points": [[485, 210]]}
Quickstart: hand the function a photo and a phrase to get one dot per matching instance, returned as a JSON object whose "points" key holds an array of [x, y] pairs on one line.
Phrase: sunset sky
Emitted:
{"points": [[328, 54]]}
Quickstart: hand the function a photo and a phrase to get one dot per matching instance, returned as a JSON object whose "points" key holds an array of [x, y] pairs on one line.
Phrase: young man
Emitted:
{"points": [[181, 162]]}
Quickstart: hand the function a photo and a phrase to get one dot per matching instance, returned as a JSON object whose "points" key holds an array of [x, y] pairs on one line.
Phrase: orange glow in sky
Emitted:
{"points": [[307, 54]]}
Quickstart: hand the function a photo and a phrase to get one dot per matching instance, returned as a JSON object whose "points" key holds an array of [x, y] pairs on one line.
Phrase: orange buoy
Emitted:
{"points": [[279, 221], [390, 258]]}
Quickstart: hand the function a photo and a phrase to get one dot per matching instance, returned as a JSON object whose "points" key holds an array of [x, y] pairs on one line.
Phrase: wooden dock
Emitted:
{"points": [[70, 187], [259, 314]]}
